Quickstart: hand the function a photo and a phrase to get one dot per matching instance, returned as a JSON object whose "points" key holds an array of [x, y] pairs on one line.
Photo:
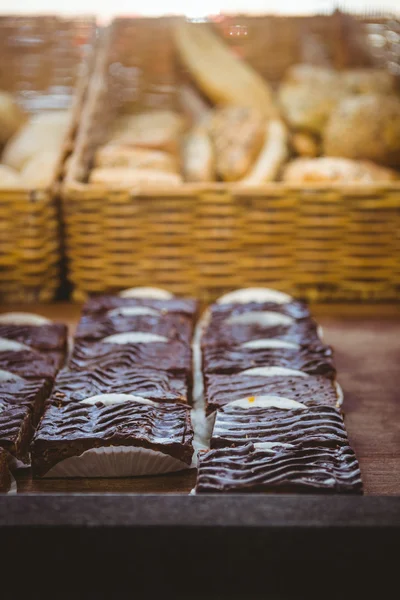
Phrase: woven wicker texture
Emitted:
{"points": [[44, 62], [325, 242]]}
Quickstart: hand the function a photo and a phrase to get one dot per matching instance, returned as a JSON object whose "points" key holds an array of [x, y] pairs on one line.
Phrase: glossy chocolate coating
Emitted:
{"points": [[246, 469], [160, 386], [312, 390], [315, 426], [171, 326], [31, 363], [31, 393], [41, 337], [316, 360], [295, 309], [303, 333], [101, 304], [76, 427], [168, 356]]}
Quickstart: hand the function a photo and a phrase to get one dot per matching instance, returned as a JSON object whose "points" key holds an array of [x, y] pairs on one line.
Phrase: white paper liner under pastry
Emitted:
{"points": [[117, 461], [15, 463], [13, 488]]}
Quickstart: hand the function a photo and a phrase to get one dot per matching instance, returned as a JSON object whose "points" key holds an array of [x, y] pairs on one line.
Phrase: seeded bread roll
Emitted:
{"points": [[365, 127], [238, 135], [325, 169], [115, 155]]}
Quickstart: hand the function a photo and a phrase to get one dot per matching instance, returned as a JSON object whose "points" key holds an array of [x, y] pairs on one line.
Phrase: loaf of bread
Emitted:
{"points": [[198, 157], [11, 117], [157, 130], [238, 135], [116, 155], [39, 171], [125, 177], [9, 178], [331, 170]]}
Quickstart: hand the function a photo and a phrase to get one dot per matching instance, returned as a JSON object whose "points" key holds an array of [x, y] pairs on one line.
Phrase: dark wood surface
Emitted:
{"points": [[366, 339]]}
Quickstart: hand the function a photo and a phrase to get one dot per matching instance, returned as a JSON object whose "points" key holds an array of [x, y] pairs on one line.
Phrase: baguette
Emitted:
{"points": [[272, 156]]}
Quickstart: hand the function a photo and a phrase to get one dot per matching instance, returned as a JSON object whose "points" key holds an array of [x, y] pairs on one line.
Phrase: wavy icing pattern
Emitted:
{"points": [[279, 469], [77, 427], [50, 336], [150, 383], [315, 426]]}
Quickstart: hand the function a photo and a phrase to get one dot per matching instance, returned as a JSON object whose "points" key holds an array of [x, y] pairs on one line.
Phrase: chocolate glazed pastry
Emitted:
{"points": [[316, 360], [30, 393], [171, 356], [315, 426], [31, 363], [72, 429], [16, 430], [5, 477], [43, 337], [171, 326], [180, 306], [160, 386], [310, 390], [303, 333], [299, 469], [296, 309]]}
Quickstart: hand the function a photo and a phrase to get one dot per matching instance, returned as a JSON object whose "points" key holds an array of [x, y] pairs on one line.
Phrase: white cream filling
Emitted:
{"points": [[269, 446], [133, 311], [117, 461], [134, 337], [259, 295], [23, 318], [264, 318], [146, 292], [8, 376], [12, 346], [264, 343], [273, 372], [109, 399], [267, 402]]}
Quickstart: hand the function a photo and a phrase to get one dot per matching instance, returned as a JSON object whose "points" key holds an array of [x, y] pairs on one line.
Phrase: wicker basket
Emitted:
{"points": [[321, 242], [45, 62]]}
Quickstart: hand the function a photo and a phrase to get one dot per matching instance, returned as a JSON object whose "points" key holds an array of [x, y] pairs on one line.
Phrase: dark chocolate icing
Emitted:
{"points": [[167, 356], [246, 469], [16, 430], [42, 337], [316, 360], [312, 390], [161, 386], [185, 306], [295, 309], [302, 332], [76, 427], [31, 363], [315, 426], [170, 326], [31, 393]]}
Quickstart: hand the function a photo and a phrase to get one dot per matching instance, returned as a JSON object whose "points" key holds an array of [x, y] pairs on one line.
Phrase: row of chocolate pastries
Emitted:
{"points": [[32, 350], [121, 407], [269, 382]]}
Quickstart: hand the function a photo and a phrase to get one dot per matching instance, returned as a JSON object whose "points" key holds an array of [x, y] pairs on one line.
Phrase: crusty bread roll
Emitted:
{"points": [[272, 155], [198, 158], [125, 177], [115, 155], [158, 130], [306, 73], [11, 117], [330, 170], [365, 127], [39, 171], [307, 106], [45, 131], [9, 178], [238, 135]]}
